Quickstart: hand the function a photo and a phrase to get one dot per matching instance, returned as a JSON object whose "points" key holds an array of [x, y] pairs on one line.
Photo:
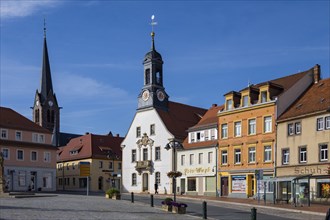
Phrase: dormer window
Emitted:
{"points": [[192, 137], [198, 136], [263, 96], [229, 104], [245, 101]]}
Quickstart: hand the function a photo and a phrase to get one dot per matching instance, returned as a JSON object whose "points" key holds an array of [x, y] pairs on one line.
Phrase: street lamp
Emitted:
{"points": [[175, 145]]}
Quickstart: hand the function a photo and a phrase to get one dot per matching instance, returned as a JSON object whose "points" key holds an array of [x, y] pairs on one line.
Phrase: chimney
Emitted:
{"points": [[317, 73], [214, 105], [117, 135]]}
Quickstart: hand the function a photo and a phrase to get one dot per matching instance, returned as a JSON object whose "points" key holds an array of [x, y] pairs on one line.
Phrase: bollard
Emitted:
{"points": [[253, 214], [327, 217], [132, 197], [204, 210], [152, 200]]}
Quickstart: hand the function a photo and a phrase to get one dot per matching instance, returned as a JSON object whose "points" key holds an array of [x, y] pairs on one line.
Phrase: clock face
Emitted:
{"points": [[145, 95], [50, 103], [160, 95]]}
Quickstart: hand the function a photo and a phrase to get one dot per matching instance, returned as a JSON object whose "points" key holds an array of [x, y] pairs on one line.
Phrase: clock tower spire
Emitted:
{"points": [[46, 111], [153, 92]]}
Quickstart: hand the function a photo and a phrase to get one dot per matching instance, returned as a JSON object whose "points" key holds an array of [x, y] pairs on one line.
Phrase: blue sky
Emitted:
{"points": [[96, 50]]}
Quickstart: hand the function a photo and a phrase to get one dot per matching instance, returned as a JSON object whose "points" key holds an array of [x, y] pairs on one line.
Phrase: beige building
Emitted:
{"points": [[101, 153], [303, 137]]}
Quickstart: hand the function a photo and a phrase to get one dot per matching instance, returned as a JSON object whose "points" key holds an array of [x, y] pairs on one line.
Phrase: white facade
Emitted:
{"points": [[133, 181], [198, 167]]}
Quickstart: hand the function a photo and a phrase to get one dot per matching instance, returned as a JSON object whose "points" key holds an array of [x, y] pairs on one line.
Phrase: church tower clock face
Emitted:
{"points": [[145, 95], [160, 95]]}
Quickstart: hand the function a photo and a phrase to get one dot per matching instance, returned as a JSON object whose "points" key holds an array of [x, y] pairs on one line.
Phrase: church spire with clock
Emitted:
{"points": [[46, 111], [153, 92]]}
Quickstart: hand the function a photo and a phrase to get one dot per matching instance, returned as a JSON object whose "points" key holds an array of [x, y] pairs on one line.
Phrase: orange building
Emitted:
{"points": [[247, 133]]}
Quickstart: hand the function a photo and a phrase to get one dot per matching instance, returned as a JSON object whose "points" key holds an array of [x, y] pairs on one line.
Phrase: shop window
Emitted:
{"points": [[191, 184]]}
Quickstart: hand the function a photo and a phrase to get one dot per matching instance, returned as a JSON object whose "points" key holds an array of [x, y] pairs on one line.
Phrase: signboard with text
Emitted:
{"points": [[84, 168], [238, 184]]}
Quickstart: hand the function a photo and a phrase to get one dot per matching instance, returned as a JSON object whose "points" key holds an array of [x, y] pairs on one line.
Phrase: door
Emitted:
{"points": [[32, 186], [224, 186], [183, 186], [145, 184]]}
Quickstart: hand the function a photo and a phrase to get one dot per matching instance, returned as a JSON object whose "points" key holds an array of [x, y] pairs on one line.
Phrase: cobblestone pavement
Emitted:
{"points": [[65, 206]]}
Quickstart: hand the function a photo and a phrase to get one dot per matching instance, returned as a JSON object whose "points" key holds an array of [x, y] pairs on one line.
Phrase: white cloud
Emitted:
{"points": [[22, 8]]}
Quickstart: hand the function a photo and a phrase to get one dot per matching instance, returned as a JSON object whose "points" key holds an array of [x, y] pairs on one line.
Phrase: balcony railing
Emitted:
{"points": [[143, 165]]}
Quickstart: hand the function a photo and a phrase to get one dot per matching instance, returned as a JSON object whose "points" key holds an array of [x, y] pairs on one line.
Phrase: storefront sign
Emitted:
{"points": [[310, 170], [238, 184], [197, 171]]}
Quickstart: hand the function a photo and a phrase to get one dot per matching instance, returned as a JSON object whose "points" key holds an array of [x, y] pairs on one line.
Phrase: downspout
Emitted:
{"points": [[216, 171], [275, 151]]}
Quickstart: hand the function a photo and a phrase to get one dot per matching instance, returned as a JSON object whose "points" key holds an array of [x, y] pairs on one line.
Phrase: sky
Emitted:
{"points": [[96, 49]]}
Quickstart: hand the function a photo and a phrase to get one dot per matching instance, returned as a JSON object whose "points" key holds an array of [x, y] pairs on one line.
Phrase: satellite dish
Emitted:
{"points": [[152, 17]]}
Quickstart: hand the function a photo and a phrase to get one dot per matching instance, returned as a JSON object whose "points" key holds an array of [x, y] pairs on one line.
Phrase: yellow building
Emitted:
{"points": [[101, 153]]}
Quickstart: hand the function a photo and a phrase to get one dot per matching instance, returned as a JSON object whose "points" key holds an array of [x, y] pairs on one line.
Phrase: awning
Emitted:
{"points": [[282, 179]]}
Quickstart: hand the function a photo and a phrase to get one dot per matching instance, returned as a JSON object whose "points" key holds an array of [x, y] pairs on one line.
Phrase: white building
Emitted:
{"points": [[198, 161], [157, 120]]}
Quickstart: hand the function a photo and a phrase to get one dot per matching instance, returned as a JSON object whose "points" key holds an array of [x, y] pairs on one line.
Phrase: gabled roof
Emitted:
{"points": [[180, 117], [209, 120], [91, 146], [12, 120], [316, 99]]}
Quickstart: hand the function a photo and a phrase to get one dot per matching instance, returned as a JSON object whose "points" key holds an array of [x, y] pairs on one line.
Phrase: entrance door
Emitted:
{"points": [[224, 186], [183, 186], [32, 186], [145, 184]]}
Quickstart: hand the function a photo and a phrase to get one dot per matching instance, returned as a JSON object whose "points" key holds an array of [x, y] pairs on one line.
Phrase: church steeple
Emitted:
{"points": [[46, 111], [153, 92]]}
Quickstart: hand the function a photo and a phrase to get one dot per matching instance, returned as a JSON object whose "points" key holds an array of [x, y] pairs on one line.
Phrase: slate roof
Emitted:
{"points": [[315, 99], [209, 120], [179, 117], [91, 146], [13, 120], [66, 137]]}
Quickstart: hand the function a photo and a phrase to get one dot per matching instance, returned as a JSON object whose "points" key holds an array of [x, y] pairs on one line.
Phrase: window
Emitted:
{"points": [[192, 184], [327, 122], [198, 134], [323, 152], [267, 124], [191, 159], [245, 101], [18, 135], [157, 153], [20, 155], [252, 155], [35, 137], [302, 154], [200, 158], [320, 124], [133, 179], [157, 178], [145, 154], [100, 164], [297, 127], [192, 137], [290, 129], [110, 165], [47, 157], [133, 155], [206, 135], [138, 131], [21, 178], [224, 131], [41, 138], [263, 96], [183, 160], [237, 158], [252, 126], [73, 181], [147, 79], [224, 157], [5, 153], [4, 133], [73, 166], [229, 104], [152, 129], [213, 134], [237, 131], [33, 155], [67, 166], [267, 154], [210, 157], [119, 165], [285, 156], [37, 115]]}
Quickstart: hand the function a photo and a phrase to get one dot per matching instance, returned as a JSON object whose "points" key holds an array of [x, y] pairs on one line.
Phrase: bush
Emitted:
{"points": [[112, 191], [167, 201]]}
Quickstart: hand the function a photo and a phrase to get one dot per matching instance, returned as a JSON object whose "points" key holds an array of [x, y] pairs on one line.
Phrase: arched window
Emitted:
{"points": [[36, 116], [157, 178], [52, 116], [133, 179], [147, 77], [48, 115], [158, 78]]}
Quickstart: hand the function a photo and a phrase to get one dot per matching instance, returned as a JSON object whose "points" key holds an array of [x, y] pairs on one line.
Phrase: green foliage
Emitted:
{"points": [[112, 191]]}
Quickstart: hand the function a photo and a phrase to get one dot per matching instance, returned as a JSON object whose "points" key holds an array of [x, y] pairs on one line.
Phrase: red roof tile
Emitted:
{"points": [[12, 120], [180, 117], [315, 99]]}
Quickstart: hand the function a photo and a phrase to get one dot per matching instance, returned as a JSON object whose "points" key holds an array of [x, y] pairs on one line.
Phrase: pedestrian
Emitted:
{"points": [[156, 188]]}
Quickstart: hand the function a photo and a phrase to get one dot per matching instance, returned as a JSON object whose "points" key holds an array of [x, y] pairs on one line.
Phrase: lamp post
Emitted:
{"points": [[175, 145]]}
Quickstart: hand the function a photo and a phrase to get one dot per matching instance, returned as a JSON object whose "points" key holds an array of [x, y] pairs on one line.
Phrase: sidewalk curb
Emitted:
{"points": [[249, 205]]}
